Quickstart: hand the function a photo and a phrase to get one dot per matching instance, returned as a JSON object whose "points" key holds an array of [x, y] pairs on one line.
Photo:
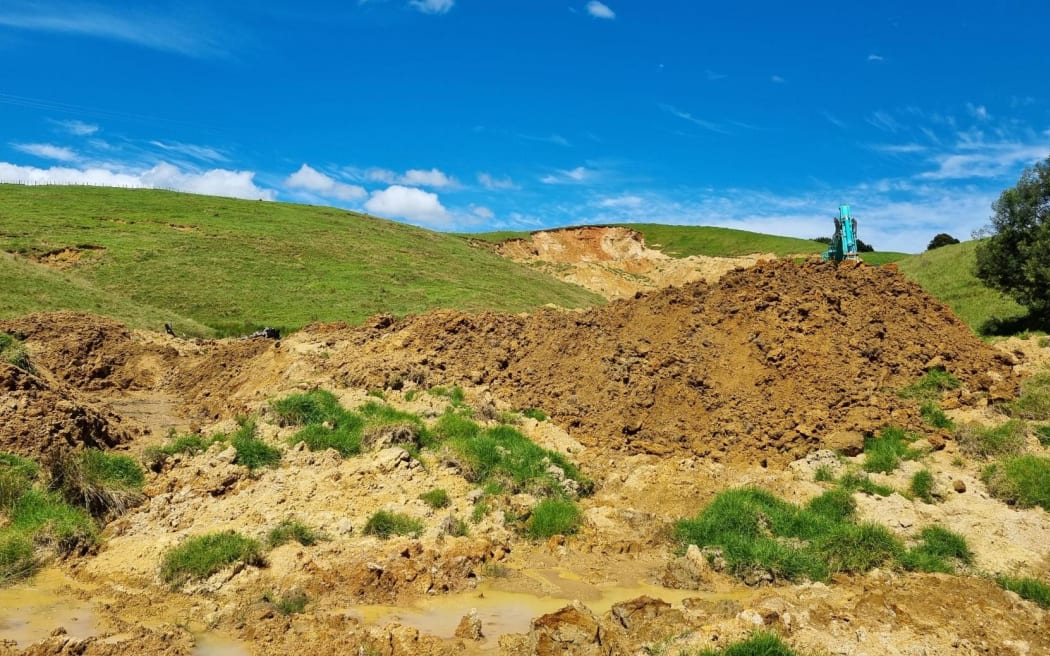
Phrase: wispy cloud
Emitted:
{"points": [[157, 32], [834, 120], [46, 151], [876, 58], [578, 175], [776, 79], [713, 76], [432, 6], [434, 178], [493, 183], [979, 112], [970, 160], [77, 128], [555, 139], [310, 179], [899, 149], [600, 10], [686, 116], [205, 153], [884, 121]]}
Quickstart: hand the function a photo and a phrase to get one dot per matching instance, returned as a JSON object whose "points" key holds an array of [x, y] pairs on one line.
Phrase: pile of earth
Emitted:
{"points": [[615, 261], [771, 362]]}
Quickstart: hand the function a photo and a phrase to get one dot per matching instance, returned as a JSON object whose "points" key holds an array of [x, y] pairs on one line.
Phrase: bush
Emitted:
{"points": [[16, 556], [436, 498], [1034, 402], [1024, 480], [929, 388], [883, 453], [53, 523], [934, 416], [1015, 259], [1028, 588], [941, 239], [985, 441], [290, 530], [922, 485], [384, 524], [202, 556], [554, 517], [106, 484]]}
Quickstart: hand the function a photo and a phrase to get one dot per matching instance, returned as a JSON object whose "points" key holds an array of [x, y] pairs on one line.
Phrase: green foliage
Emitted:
{"points": [[384, 524], [934, 416], [554, 517], [534, 413], [455, 395], [292, 530], [106, 484], [941, 239], [760, 643], [16, 556], [346, 439], [929, 388], [204, 555], [1028, 588], [848, 547], [378, 393], [1034, 402], [16, 478], [824, 474], [1024, 480], [987, 441], [410, 395], [313, 407], [922, 485], [862, 483], [14, 353], [380, 414], [16, 463], [1015, 259], [940, 542], [52, 522], [453, 426], [252, 452], [884, 452], [291, 602], [436, 498], [1042, 433], [281, 264], [837, 504]]}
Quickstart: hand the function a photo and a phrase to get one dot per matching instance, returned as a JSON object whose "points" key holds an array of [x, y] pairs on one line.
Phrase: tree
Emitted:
{"points": [[864, 248], [1015, 258], [942, 239]]}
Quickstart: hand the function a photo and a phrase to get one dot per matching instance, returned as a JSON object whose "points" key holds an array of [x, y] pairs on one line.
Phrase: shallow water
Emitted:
{"points": [[31, 611]]}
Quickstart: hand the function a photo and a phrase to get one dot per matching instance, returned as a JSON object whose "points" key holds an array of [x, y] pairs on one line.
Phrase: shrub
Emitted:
{"points": [[1024, 480], [290, 530], [987, 441], [935, 382], [554, 517], [16, 556], [934, 416], [922, 485], [883, 453], [761, 643], [384, 524], [436, 498], [202, 556], [52, 522], [106, 484], [1028, 588], [1034, 402]]}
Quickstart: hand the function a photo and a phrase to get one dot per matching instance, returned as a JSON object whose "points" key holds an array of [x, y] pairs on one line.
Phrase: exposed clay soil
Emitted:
{"points": [[664, 400]]}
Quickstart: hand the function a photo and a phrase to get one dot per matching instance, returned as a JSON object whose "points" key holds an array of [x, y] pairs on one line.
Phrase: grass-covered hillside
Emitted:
{"points": [[947, 273], [219, 265]]}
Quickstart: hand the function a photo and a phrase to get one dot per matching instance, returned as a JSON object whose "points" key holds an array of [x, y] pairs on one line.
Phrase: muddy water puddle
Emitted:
{"points": [[504, 611], [32, 611]]}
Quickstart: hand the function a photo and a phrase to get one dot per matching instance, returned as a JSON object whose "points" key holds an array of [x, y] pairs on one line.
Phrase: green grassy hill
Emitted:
{"points": [[947, 274], [223, 266]]}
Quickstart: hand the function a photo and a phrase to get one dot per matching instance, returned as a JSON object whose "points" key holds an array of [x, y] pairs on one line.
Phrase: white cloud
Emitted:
{"points": [[834, 120], [482, 212], [899, 149], [777, 79], [487, 181], [397, 201], [578, 175], [432, 178], [626, 201], [600, 10], [984, 160], [876, 58], [433, 6], [46, 151], [205, 153], [979, 112], [217, 182], [884, 121], [77, 128], [686, 116], [310, 179]]}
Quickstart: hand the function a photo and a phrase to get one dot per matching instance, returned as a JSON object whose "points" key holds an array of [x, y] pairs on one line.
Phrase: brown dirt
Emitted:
{"points": [[614, 261]]}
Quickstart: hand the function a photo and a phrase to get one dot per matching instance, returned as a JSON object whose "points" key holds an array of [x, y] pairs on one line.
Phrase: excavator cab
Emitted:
{"points": [[844, 242]]}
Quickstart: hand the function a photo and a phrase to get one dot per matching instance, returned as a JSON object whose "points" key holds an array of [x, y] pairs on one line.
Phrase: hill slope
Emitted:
{"points": [[232, 265]]}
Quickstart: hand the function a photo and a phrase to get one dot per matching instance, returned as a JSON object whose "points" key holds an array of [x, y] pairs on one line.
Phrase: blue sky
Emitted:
{"points": [[521, 114]]}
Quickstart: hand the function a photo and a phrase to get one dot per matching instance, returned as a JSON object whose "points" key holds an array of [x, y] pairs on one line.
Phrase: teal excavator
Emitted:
{"points": [[844, 242]]}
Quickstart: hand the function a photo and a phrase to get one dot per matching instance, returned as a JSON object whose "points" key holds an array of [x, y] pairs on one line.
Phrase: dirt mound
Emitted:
{"points": [[615, 261], [771, 362], [36, 417]]}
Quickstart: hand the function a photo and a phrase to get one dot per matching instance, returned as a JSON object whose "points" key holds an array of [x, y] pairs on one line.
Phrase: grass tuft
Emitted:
{"points": [[313, 407], [534, 413], [1028, 588], [862, 483], [988, 441], [384, 524], [929, 388], [1034, 402], [252, 452], [14, 353], [436, 498], [291, 602], [52, 522], [884, 452], [17, 560], [554, 517], [200, 557], [1042, 433], [1024, 480], [922, 485], [760, 643], [934, 416], [292, 530]]}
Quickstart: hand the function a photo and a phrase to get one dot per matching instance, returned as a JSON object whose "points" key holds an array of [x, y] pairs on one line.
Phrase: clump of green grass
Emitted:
{"points": [[987, 441], [554, 517], [922, 485], [106, 484], [934, 416], [252, 452], [436, 498], [52, 522], [1028, 588], [200, 557], [1034, 401], [14, 353], [939, 550], [455, 394], [824, 474], [16, 477], [292, 530], [929, 388], [291, 602], [384, 524], [17, 560], [760, 643], [862, 483], [313, 407], [534, 413], [1042, 433], [884, 452], [1023, 480]]}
